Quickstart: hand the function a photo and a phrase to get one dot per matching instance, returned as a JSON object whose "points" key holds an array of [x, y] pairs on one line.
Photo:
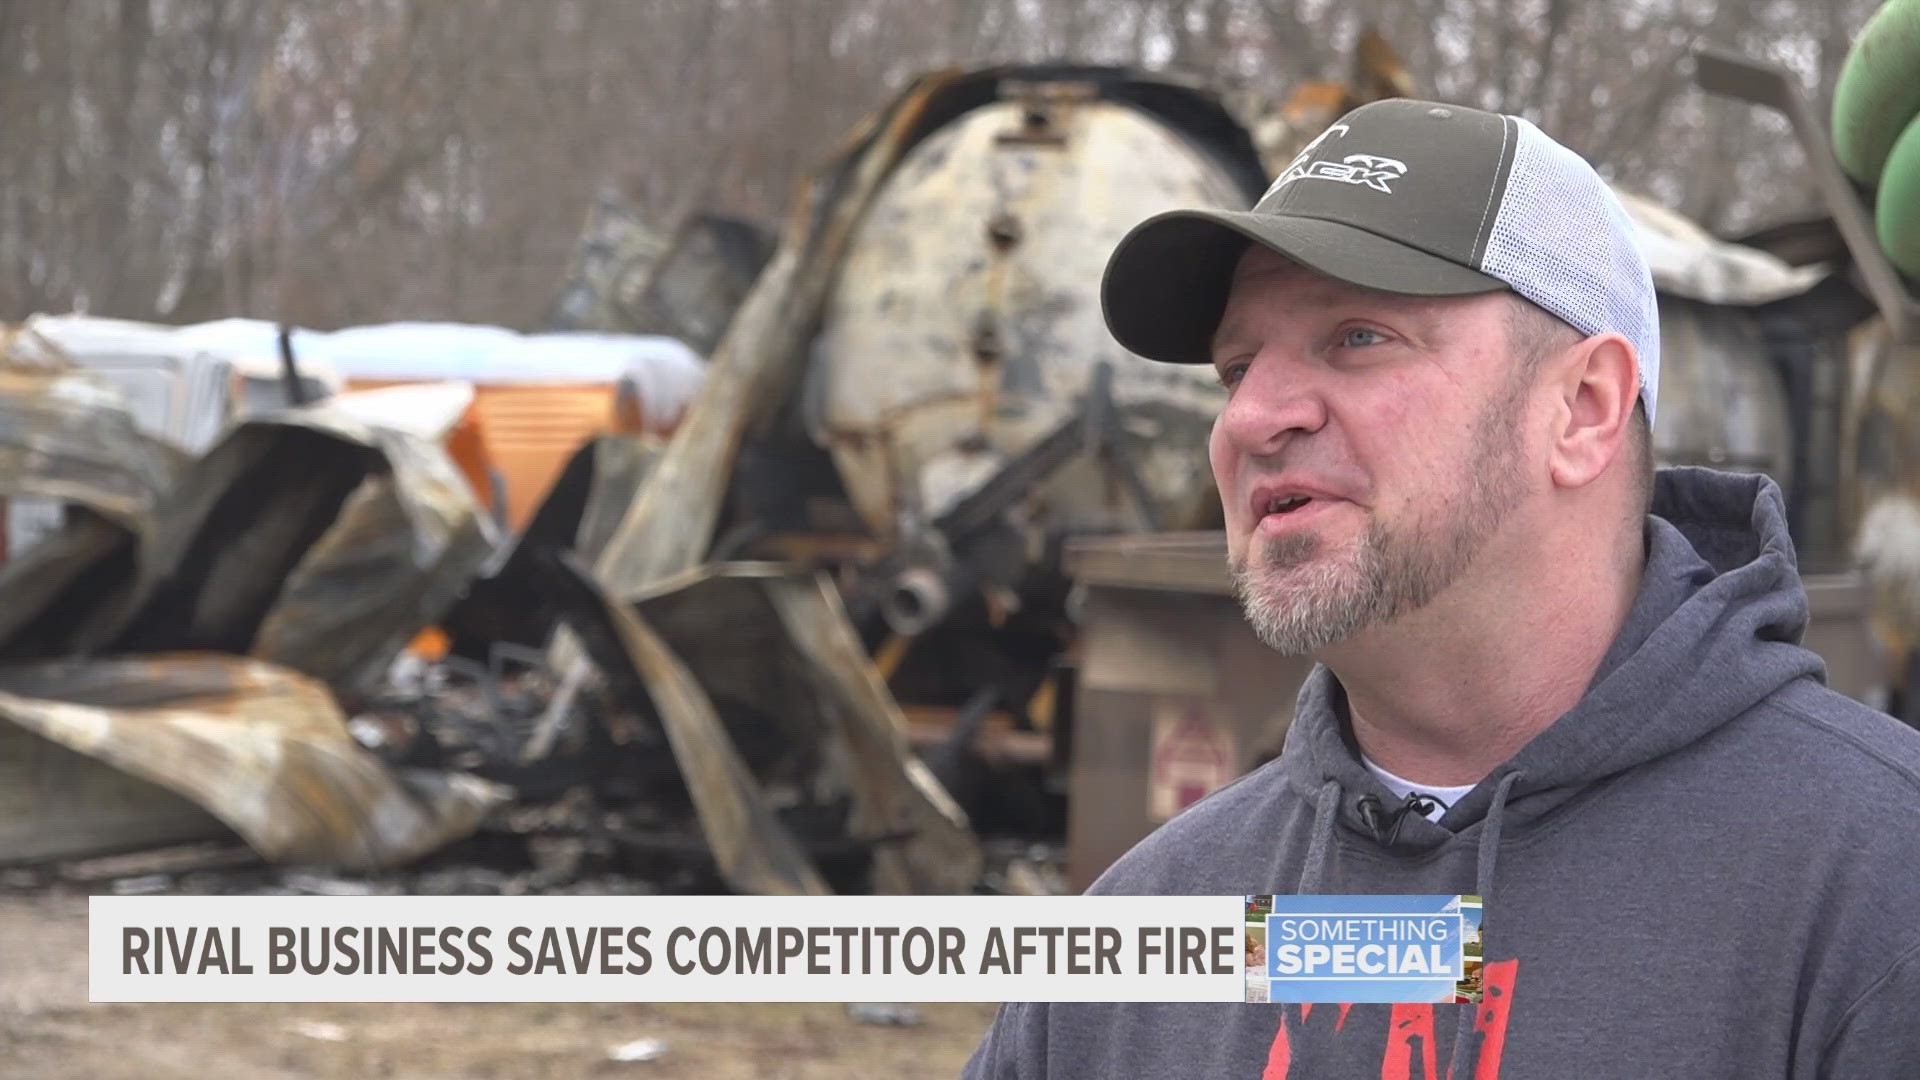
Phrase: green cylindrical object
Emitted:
{"points": [[1878, 93], [1896, 211]]}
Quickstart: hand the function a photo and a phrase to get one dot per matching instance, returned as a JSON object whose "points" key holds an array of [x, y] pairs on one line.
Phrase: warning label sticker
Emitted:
{"points": [[1193, 756]]}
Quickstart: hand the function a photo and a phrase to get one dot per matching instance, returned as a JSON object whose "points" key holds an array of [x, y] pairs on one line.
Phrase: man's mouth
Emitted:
{"points": [[1288, 506]]}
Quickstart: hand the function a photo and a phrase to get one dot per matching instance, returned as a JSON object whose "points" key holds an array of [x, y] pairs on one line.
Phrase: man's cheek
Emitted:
{"points": [[1221, 459]]}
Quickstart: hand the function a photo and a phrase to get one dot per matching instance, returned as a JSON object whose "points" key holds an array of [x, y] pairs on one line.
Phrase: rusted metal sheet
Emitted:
{"points": [[260, 748], [404, 546], [582, 511], [753, 850]]}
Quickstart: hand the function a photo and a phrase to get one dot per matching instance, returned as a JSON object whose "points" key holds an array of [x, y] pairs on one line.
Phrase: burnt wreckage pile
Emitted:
{"points": [[230, 645], [690, 655]]}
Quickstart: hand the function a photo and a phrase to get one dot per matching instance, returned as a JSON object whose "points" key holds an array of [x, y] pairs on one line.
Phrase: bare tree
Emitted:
{"points": [[345, 161]]}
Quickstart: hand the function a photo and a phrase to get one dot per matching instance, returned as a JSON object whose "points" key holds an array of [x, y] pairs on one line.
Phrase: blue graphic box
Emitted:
{"points": [[1350, 948]]}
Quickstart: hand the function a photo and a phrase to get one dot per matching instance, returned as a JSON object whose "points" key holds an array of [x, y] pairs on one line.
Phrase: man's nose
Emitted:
{"points": [[1274, 400]]}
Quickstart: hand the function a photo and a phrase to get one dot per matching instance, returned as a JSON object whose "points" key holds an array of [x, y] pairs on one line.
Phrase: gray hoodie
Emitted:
{"points": [[1710, 867]]}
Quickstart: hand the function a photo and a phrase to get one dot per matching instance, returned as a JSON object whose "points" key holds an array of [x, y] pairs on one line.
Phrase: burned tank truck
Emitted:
{"points": [[919, 394], [965, 329], [963, 411]]}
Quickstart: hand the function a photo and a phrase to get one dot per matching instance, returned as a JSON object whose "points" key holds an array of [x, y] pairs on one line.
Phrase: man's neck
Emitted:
{"points": [[1445, 695]]}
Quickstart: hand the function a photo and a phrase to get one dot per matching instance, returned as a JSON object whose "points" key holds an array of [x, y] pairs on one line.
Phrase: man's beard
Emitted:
{"points": [[1328, 596]]}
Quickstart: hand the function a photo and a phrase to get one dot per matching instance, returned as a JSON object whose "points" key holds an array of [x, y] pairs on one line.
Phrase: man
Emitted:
{"points": [[1543, 676]]}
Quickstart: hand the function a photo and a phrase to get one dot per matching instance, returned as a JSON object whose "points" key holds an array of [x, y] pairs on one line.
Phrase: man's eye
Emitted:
{"points": [[1357, 337], [1231, 374]]}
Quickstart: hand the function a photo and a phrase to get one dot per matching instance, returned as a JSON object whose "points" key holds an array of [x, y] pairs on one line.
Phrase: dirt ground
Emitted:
{"points": [[49, 1031]]}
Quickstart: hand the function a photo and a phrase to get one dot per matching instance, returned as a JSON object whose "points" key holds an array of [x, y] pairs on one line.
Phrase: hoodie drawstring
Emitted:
{"points": [[1483, 883], [1326, 814]]}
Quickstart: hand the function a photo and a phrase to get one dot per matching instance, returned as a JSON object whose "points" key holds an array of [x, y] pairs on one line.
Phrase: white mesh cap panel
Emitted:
{"points": [[1562, 240]]}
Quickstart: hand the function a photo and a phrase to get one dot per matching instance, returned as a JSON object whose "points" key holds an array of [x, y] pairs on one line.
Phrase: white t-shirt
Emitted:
{"points": [[1402, 788]]}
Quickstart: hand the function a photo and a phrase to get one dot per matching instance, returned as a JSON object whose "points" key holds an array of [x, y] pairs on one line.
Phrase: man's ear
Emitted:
{"points": [[1599, 384]]}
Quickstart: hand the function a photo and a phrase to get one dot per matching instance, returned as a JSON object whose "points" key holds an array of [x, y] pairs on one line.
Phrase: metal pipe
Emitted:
{"points": [[916, 601]]}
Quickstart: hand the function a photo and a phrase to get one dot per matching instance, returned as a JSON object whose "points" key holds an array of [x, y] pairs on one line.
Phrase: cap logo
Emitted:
{"points": [[1369, 170], [1374, 172]]}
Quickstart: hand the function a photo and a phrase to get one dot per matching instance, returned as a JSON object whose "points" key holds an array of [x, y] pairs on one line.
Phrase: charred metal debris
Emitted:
{"points": [[309, 638], [307, 648]]}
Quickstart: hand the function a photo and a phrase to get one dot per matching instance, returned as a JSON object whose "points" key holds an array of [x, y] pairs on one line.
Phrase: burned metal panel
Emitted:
{"points": [[581, 512], [753, 849], [760, 358], [65, 435], [802, 701], [57, 803], [895, 792], [724, 628], [620, 468], [62, 588], [966, 321], [697, 284], [755, 852], [263, 749], [1880, 494], [405, 545], [212, 564], [669, 528], [1721, 401], [1688, 261], [309, 538]]}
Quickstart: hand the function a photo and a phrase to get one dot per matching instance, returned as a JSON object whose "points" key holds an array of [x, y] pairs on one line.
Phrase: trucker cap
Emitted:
{"points": [[1403, 196]]}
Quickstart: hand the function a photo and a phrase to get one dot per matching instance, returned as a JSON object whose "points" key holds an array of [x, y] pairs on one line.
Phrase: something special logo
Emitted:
{"points": [[1393, 949]]}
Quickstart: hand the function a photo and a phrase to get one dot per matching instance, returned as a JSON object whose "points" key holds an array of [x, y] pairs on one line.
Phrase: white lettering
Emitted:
{"points": [[1286, 960], [1373, 966], [1413, 961]]}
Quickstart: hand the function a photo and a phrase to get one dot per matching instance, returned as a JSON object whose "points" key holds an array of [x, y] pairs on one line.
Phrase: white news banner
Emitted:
{"points": [[666, 948]]}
